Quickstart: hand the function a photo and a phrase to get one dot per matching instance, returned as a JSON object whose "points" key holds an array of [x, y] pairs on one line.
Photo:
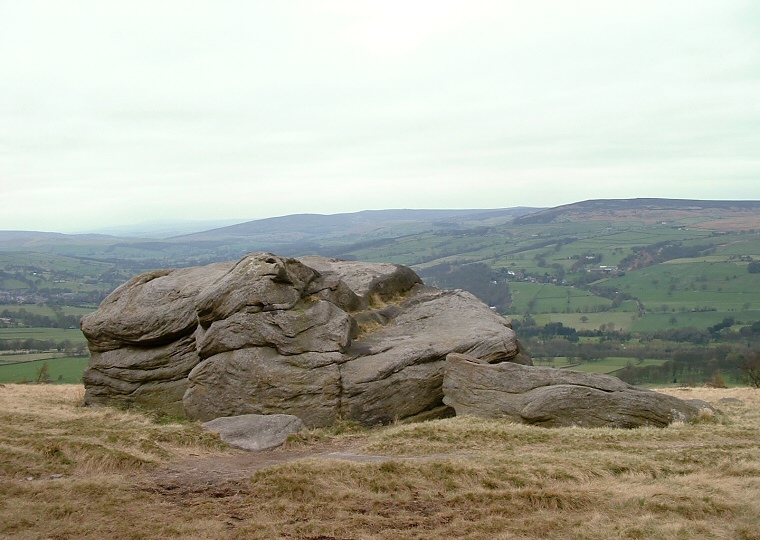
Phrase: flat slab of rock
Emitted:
{"points": [[555, 398], [255, 432]]}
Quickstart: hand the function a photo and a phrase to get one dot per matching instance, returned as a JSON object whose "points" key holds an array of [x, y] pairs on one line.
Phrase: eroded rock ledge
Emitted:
{"points": [[317, 338], [556, 397]]}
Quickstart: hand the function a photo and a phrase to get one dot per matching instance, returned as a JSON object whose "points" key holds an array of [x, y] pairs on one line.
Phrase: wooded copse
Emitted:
{"points": [[22, 317]]}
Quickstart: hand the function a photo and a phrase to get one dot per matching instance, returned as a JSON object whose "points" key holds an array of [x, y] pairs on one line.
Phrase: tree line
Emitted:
{"points": [[44, 345], [477, 278], [22, 317], [688, 354]]}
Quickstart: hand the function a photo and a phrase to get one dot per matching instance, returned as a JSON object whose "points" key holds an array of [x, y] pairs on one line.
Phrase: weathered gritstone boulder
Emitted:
{"points": [[151, 309], [142, 339], [556, 397], [316, 338]]}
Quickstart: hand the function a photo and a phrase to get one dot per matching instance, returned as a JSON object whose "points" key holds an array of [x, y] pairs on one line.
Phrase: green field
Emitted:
{"points": [[28, 357], [605, 365], [611, 365], [653, 322], [591, 321], [676, 285], [548, 298], [45, 264], [45, 309], [43, 334], [12, 284], [67, 370], [650, 322]]}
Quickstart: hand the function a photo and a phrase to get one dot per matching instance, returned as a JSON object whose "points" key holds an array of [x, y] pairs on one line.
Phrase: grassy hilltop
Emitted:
{"points": [[91, 473]]}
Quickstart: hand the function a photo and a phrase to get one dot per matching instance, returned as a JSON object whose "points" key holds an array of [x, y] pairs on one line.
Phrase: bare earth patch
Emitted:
{"points": [[231, 467]]}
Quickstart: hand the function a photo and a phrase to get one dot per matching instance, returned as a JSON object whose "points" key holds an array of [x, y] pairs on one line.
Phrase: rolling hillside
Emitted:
{"points": [[675, 270]]}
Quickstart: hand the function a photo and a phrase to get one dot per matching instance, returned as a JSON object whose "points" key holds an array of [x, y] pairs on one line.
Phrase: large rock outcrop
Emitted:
{"points": [[556, 397], [317, 338]]}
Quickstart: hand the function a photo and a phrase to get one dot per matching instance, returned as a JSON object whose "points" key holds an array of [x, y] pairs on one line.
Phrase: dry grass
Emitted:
{"points": [[368, 327], [730, 223], [456, 478], [46, 431], [378, 302], [710, 219]]}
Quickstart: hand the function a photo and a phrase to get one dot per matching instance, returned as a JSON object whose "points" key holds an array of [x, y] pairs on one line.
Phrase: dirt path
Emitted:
{"points": [[223, 475]]}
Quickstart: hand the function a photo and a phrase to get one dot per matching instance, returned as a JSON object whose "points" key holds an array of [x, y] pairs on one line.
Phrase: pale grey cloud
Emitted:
{"points": [[115, 112]]}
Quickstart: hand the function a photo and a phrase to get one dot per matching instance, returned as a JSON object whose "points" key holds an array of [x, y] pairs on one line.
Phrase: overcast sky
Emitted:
{"points": [[115, 112]]}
